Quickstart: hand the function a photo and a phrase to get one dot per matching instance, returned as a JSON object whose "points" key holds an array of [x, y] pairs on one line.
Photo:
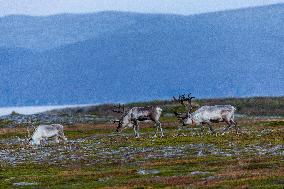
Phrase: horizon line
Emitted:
{"points": [[139, 12]]}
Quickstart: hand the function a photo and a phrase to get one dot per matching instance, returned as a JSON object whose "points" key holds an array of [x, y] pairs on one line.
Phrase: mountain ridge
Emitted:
{"points": [[43, 26], [214, 55]]}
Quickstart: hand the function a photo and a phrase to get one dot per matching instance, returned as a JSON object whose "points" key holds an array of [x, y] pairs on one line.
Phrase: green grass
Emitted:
{"points": [[4, 122], [272, 123]]}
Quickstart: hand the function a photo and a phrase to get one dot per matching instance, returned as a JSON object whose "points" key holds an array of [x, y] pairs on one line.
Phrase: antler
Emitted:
{"points": [[182, 98], [189, 98]]}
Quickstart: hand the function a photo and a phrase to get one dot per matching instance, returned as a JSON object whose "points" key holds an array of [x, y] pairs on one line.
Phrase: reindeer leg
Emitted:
{"points": [[62, 136], [160, 127], [135, 127], [228, 126], [211, 128], [137, 130], [57, 140], [157, 129], [181, 126], [236, 126], [202, 127]]}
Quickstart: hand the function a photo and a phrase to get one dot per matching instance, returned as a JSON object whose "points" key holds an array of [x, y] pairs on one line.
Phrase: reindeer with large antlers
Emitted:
{"points": [[132, 117], [206, 114]]}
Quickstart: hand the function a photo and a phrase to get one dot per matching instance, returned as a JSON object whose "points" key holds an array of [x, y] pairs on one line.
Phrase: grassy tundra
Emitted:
{"points": [[96, 156]]}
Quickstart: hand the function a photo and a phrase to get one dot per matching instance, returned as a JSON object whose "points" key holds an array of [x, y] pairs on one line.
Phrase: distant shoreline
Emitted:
{"points": [[28, 110]]}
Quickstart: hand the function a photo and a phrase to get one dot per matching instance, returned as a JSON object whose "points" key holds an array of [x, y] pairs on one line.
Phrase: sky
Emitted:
{"points": [[185, 7]]}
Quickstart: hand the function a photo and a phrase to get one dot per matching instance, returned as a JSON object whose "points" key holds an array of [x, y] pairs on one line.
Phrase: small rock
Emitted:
{"points": [[211, 178], [199, 173], [147, 172], [25, 183]]}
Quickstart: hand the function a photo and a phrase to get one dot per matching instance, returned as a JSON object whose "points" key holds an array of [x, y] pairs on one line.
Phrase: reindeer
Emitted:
{"points": [[206, 114], [132, 117], [43, 132]]}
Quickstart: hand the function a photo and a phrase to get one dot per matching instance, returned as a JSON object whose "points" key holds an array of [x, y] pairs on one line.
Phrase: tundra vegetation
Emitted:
{"points": [[97, 156]]}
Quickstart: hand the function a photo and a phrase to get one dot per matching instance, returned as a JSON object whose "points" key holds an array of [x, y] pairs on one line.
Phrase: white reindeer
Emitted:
{"points": [[132, 117], [44, 132], [207, 115]]}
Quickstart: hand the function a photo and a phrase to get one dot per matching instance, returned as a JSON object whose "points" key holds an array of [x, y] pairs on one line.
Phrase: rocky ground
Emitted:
{"points": [[96, 156]]}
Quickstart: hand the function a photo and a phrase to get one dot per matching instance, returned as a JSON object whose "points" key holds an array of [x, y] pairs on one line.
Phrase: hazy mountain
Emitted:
{"points": [[41, 33], [113, 56]]}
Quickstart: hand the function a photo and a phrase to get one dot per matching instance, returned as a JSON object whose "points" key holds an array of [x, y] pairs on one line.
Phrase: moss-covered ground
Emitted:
{"points": [[95, 156]]}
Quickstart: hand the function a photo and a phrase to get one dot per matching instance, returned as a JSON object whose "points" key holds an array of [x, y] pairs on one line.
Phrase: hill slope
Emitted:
{"points": [[142, 57]]}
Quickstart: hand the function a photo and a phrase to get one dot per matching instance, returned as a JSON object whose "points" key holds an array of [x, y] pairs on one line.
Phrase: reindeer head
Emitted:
{"points": [[123, 121], [184, 100], [30, 125]]}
